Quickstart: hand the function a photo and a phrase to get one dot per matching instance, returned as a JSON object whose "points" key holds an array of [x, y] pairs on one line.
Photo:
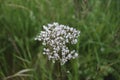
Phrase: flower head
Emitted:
{"points": [[54, 38]]}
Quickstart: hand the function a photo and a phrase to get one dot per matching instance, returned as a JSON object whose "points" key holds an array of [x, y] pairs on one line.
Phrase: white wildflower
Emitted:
{"points": [[54, 38]]}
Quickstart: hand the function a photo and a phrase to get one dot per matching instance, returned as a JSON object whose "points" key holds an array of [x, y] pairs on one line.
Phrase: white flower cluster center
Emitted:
{"points": [[55, 38]]}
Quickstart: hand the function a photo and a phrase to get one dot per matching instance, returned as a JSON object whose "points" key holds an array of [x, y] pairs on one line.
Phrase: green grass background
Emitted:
{"points": [[98, 45]]}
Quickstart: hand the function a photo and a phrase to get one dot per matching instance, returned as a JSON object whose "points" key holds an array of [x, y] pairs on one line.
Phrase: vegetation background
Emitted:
{"points": [[21, 57]]}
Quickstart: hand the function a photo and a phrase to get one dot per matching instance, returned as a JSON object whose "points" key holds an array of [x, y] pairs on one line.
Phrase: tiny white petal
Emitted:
{"points": [[76, 55]]}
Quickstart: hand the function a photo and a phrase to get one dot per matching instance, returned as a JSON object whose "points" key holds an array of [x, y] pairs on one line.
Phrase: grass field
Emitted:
{"points": [[21, 56]]}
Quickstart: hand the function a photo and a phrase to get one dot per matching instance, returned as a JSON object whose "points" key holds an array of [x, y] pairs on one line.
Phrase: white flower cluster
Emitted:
{"points": [[55, 38]]}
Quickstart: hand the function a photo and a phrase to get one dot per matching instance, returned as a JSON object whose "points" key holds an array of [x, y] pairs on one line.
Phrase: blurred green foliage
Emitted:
{"points": [[98, 46]]}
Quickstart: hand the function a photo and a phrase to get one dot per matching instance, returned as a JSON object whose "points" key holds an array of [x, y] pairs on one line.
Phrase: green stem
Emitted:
{"points": [[59, 76]]}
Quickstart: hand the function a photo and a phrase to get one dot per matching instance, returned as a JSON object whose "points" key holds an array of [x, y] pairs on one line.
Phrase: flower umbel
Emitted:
{"points": [[55, 38]]}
